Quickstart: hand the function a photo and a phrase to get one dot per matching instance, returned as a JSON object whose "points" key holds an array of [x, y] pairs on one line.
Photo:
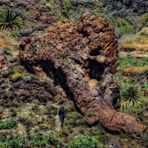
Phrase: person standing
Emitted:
{"points": [[62, 115]]}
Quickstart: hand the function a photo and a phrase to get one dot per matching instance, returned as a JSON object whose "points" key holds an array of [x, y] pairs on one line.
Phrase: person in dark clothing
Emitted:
{"points": [[62, 115]]}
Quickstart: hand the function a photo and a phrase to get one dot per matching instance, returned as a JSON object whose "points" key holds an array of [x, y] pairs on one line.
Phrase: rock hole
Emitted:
{"points": [[96, 69], [95, 52]]}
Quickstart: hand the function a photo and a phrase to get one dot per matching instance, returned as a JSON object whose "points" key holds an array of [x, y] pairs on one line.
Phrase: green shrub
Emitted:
{"points": [[17, 73], [70, 107], [144, 34], [145, 86], [66, 6], [52, 111], [129, 60], [75, 119], [145, 17], [48, 5], [16, 76], [9, 20], [84, 141], [130, 94], [91, 114], [101, 135], [9, 124], [45, 141], [2, 138], [63, 134], [15, 142], [2, 145], [123, 25], [144, 141]]}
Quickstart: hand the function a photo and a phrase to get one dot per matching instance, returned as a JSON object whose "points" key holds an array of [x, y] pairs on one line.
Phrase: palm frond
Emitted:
{"points": [[9, 20], [131, 95]]}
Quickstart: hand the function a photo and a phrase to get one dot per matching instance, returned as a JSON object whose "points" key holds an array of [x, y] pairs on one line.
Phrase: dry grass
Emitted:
{"points": [[6, 41], [135, 54], [139, 42], [135, 70]]}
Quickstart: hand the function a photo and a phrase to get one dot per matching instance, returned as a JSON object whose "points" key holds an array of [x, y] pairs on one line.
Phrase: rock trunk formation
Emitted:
{"points": [[81, 57]]}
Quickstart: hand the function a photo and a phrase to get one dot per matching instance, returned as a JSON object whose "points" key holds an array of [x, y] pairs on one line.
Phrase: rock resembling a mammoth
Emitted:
{"points": [[82, 58]]}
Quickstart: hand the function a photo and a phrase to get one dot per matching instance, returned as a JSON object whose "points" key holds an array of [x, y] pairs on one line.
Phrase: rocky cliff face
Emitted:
{"points": [[81, 57], [125, 7], [118, 7]]}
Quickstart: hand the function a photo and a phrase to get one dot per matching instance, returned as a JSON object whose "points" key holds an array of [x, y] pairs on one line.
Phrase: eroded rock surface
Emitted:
{"points": [[82, 58], [3, 60]]}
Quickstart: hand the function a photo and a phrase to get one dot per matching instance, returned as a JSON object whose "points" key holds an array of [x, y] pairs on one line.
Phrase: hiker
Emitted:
{"points": [[62, 114]]}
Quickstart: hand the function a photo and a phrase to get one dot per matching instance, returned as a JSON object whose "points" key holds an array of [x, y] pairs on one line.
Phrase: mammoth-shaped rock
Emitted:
{"points": [[82, 58]]}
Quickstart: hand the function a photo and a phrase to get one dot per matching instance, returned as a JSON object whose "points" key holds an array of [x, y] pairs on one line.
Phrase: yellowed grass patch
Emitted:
{"points": [[6, 41], [135, 70]]}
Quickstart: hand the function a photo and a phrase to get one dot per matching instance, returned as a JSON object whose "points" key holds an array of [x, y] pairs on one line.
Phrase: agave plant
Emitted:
{"points": [[8, 20], [131, 95]]}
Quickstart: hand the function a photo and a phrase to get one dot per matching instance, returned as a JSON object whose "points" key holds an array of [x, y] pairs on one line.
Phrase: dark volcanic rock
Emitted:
{"points": [[25, 91], [125, 7]]}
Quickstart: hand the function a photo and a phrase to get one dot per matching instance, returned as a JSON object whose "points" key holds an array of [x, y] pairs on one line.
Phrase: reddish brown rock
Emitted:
{"points": [[75, 53], [3, 61]]}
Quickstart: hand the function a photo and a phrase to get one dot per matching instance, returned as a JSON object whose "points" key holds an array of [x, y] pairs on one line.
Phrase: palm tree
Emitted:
{"points": [[131, 95], [8, 20]]}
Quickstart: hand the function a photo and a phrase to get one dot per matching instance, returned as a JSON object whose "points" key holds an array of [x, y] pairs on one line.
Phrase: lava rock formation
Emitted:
{"points": [[81, 57]]}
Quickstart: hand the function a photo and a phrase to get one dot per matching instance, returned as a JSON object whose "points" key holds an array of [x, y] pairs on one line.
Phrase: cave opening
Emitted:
{"points": [[95, 52], [57, 75], [59, 78], [96, 69]]}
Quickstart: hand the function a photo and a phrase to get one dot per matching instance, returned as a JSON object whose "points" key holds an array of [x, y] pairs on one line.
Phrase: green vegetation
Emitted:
{"points": [[81, 141], [70, 107], [133, 100], [144, 141], [65, 7], [144, 34], [129, 60], [35, 141], [74, 119], [145, 86], [100, 134], [45, 141], [145, 18], [15, 142], [123, 25], [63, 134], [84, 141], [131, 95], [90, 114], [48, 4], [17, 74], [8, 124], [9, 20], [5, 73], [52, 111]]}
